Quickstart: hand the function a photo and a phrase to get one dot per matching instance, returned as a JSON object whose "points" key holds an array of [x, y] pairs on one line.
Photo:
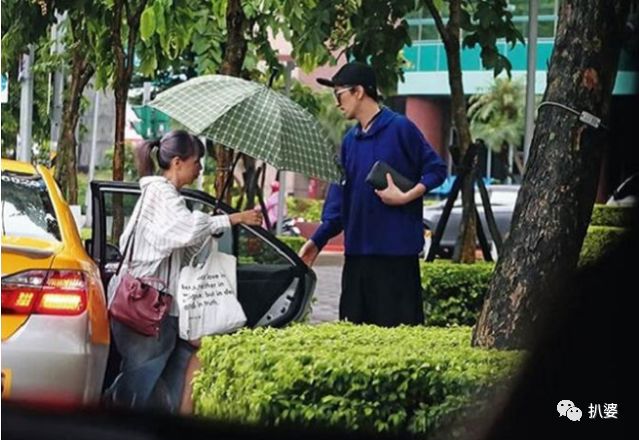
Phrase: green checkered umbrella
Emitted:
{"points": [[253, 119]]}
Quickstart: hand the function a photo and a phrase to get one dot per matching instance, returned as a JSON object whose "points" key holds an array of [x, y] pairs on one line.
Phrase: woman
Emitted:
{"points": [[153, 369]]}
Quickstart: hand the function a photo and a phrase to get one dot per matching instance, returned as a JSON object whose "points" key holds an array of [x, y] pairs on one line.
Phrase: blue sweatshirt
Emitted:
{"points": [[370, 226]]}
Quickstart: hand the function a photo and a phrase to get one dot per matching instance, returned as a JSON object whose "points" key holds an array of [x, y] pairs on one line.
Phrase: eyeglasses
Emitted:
{"points": [[337, 93]]}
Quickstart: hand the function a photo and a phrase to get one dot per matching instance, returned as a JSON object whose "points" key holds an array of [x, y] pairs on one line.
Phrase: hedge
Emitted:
{"points": [[603, 215], [308, 209], [295, 243], [342, 376], [453, 293], [598, 242]]}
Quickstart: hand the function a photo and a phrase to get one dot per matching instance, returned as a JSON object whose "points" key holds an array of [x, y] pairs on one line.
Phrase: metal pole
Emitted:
{"points": [[282, 194], [146, 92], [200, 178], [489, 162], [58, 82], [26, 105], [92, 158], [509, 179], [533, 12]]}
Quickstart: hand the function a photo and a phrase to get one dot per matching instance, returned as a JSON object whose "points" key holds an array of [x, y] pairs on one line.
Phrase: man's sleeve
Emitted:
{"points": [[433, 168], [331, 217]]}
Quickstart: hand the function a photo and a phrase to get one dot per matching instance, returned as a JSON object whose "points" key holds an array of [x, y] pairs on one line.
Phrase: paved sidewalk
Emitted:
{"points": [[328, 268]]}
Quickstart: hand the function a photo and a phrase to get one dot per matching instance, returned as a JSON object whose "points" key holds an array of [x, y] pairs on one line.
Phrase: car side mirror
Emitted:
{"points": [[113, 254]]}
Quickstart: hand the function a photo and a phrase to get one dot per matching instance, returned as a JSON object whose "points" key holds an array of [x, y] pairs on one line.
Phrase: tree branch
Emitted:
{"points": [[441, 27], [118, 50], [127, 8], [133, 21]]}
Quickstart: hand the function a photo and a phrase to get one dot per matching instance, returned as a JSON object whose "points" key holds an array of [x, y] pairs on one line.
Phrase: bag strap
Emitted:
{"points": [[210, 242], [131, 240]]}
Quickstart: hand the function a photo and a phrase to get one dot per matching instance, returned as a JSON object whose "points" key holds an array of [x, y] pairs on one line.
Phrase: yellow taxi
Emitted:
{"points": [[55, 333]]}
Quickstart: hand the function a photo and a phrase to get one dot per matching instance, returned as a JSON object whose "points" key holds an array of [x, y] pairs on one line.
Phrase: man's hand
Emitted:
{"points": [[308, 253], [392, 195]]}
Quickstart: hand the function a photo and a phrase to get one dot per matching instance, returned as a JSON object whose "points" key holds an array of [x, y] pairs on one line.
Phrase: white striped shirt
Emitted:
{"points": [[166, 229]]}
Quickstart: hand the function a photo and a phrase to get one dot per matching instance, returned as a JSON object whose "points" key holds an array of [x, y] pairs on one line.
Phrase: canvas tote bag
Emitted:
{"points": [[207, 294]]}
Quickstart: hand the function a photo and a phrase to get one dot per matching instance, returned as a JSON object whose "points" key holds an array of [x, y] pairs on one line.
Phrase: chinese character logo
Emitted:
{"points": [[609, 411], [568, 409]]}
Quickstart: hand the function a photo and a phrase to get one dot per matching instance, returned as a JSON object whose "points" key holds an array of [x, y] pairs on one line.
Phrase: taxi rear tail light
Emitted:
{"points": [[54, 292]]}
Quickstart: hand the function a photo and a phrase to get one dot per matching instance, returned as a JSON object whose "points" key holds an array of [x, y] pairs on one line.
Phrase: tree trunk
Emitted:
{"points": [[123, 72], [66, 161], [559, 187], [450, 34], [232, 63]]}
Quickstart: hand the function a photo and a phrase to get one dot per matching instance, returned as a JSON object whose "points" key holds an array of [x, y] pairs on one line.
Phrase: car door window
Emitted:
{"points": [[118, 207], [252, 248]]}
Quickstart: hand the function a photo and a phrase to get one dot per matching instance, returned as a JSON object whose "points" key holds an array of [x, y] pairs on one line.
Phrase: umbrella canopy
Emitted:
{"points": [[253, 119]]}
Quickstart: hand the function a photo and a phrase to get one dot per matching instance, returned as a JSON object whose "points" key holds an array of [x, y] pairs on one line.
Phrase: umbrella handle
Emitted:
{"points": [[272, 78], [227, 184], [260, 198]]}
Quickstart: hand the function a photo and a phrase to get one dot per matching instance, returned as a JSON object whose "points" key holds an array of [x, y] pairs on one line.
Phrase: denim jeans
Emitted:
{"points": [[152, 369]]}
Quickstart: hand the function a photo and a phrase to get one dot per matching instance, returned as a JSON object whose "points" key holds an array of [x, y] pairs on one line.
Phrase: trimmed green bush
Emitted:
{"points": [[339, 375], [454, 293], [617, 216], [294, 243], [598, 242], [309, 209]]}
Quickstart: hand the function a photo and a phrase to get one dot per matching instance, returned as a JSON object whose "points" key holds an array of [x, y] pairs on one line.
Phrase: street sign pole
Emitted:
{"points": [[26, 106], [533, 12], [282, 192]]}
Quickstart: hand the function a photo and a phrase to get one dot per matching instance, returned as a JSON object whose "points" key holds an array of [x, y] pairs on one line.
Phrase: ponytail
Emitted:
{"points": [[143, 159]]}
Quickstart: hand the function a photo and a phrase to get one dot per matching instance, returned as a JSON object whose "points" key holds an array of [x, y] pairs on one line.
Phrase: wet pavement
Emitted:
{"points": [[328, 268]]}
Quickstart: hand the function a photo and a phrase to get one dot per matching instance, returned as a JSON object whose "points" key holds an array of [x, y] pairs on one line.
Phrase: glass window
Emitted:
{"points": [[117, 211], [253, 249], [27, 210]]}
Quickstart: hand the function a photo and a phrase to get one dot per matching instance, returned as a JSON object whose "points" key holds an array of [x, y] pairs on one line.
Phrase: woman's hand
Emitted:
{"points": [[250, 218]]}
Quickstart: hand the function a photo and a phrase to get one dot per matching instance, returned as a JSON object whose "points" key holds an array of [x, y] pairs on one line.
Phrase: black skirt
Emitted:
{"points": [[381, 290]]}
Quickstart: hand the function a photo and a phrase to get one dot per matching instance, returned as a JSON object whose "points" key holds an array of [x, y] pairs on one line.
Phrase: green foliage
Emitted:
{"points": [[23, 23], [484, 22], [598, 242], [11, 110], [166, 30], [308, 209], [453, 293], [358, 378], [603, 215], [497, 116], [295, 243], [130, 171]]}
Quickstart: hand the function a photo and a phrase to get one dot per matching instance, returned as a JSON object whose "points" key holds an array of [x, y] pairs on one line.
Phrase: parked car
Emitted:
{"points": [[275, 287], [55, 332], [627, 193], [502, 202]]}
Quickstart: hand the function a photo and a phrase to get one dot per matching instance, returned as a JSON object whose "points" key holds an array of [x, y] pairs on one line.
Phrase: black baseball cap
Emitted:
{"points": [[354, 74]]}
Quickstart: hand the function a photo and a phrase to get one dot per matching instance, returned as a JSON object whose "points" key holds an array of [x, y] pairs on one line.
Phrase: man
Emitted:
{"points": [[382, 228]]}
